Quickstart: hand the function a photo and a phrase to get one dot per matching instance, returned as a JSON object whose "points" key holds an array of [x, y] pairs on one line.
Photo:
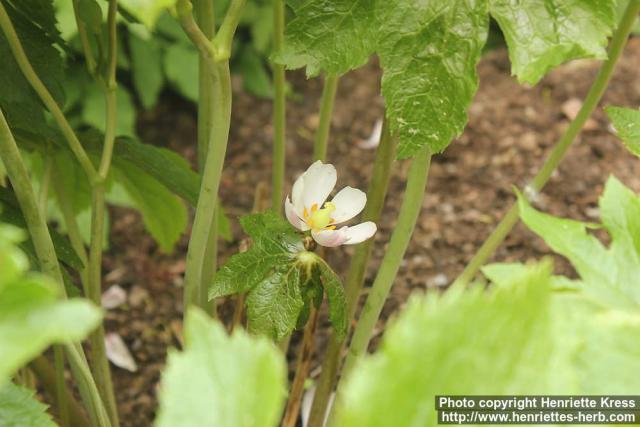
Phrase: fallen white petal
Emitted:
{"points": [[374, 139], [330, 238], [349, 202], [319, 181], [113, 297], [360, 233], [118, 353]]}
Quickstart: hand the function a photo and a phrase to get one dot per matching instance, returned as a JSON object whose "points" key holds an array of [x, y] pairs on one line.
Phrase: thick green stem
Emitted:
{"points": [[279, 111], [355, 277], [45, 252], [598, 88], [409, 213], [195, 287], [44, 94], [216, 55], [204, 14], [99, 362], [326, 112]]}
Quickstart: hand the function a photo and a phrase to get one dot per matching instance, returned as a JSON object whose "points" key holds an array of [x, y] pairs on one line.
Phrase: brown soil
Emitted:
{"points": [[511, 129]]}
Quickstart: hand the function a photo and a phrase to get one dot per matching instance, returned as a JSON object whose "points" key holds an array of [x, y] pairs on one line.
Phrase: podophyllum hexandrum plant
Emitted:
{"points": [[529, 332]]}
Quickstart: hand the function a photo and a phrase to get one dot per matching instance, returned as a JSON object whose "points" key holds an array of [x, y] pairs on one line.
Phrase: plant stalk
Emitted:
{"points": [[302, 370], [558, 152], [326, 112], [409, 213], [279, 110], [99, 362], [47, 259], [204, 16], [46, 375], [376, 194]]}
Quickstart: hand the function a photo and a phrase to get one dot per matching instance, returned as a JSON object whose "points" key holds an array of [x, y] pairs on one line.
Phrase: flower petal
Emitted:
{"points": [[292, 216], [296, 195], [330, 238], [359, 233], [319, 180], [349, 202]]}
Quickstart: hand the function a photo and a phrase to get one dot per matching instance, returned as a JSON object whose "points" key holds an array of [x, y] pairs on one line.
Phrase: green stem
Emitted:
{"points": [[355, 277], [279, 110], [195, 287], [598, 88], [44, 94], [62, 398], [326, 111], [204, 14], [409, 213], [195, 291], [45, 251], [99, 362]]}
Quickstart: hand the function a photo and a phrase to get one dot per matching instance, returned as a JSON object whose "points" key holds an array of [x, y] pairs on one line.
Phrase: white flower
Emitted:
{"points": [[308, 209]]}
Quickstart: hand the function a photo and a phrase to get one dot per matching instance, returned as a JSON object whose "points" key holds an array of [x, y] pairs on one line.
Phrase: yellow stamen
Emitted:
{"points": [[319, 218]]}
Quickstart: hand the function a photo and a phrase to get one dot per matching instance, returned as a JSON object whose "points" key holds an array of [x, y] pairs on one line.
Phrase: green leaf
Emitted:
{"points": [[34, 23], [608, 274], [274, 305], [163, 214], [337, 302], [462, 342], [147, 11], [221, 381], [515, 338], [275, 245], [90, 13], [181, 68], [429, 51], [626, 122], [334, 36], [19, 407], [31, 315], [146, 59], [541, 34]]}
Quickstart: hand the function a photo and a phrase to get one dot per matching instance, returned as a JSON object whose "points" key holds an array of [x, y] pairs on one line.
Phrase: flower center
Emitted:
{"points": [[319, 219]]}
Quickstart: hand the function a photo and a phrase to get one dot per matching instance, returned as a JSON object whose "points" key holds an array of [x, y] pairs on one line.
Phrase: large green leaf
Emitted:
{"points": [[333, 36], [221, 381], [31, 315], [541, 34], [515, 338], [626, 122], [18, 408], [429, 51], [609, 274]]}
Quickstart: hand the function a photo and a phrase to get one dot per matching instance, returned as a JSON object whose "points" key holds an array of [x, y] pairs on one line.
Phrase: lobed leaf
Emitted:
{"points": [[220, 380], [337, 302], [333, 36], [626, 122], [429, 51], [19, 407], [146, 61], [608, 274], [542, 34]]}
